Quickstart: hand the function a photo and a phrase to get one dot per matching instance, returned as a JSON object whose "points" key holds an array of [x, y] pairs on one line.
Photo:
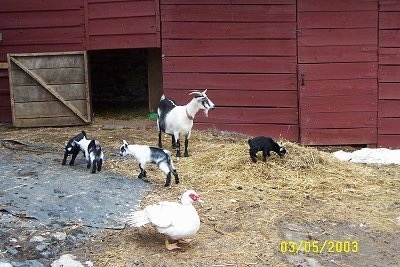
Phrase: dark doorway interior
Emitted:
{"points": [[119, 81]]}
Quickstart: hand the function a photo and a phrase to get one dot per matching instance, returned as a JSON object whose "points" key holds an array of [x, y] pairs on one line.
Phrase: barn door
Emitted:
{"points": [[49, 89], [337, 55]]}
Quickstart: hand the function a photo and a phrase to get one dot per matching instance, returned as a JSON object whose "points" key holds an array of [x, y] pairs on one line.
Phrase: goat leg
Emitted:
{"points": [[178, 148], [74, 154], [176, 176], [65, 159], [186, 154], [89, 164], [99, 164], [142, 173], [264, 156], [159, 139], [253, 157], [173, 142], [168, 180], [94, 166]]}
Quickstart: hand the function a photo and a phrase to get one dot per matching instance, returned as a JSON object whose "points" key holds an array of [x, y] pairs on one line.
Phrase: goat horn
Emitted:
{"points": [[196, 92]]}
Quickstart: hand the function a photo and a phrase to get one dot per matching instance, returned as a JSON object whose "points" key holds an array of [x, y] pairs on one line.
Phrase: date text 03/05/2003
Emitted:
{"points": [[315, 246]]}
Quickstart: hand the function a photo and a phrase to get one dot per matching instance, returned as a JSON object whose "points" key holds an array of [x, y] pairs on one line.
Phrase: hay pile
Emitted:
{"points": [[245, 203]]}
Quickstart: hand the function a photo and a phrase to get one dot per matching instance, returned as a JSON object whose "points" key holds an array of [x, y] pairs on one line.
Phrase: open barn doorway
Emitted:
{"points": [[125, 83]]}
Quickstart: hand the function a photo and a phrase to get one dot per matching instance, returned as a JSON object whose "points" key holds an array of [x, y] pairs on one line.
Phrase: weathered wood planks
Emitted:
{"points": [[49, 89]]}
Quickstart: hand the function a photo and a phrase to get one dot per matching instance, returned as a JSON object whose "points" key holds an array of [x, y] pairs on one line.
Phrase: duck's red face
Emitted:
{"points": [[194, 197]]}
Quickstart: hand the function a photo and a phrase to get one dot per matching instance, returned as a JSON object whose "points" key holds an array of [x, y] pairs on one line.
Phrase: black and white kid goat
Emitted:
{"points": [[177, 120], [72, 148], [93, 153], [148, 154], [266, 145]]}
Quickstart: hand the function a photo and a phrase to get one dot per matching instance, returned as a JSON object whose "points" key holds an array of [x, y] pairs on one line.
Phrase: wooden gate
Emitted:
{"points": [[337, 54], [49, 89]]}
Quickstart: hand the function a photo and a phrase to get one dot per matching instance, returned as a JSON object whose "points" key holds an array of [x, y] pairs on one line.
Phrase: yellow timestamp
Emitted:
{"points": [[318, 247]]}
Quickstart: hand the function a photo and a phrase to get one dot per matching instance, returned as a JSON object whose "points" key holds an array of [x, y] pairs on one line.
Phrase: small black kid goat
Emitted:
{"points": [[266, 145], [177, 120]]}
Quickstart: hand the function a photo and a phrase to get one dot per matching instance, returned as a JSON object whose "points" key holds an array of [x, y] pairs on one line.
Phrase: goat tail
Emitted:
{"points": [[248, 141], [137, 219], [84, 133], [97, 144]]}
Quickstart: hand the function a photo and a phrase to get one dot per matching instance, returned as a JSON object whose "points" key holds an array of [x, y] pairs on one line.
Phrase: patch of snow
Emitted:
{"points": [[370, 155], [67, 260]]}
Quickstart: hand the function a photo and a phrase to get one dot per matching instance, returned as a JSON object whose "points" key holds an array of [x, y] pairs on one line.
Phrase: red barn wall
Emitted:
{"points": [[337, 54], [122, 24], [244, 53], [74, 25], [389, 74], [36, 26]]}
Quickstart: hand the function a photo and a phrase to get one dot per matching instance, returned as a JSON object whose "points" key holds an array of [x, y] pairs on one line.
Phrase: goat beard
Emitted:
{"points": [[206, 112]]}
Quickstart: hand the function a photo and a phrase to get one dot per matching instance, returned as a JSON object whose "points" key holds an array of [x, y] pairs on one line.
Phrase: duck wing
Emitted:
{"points": [[163, 213]]}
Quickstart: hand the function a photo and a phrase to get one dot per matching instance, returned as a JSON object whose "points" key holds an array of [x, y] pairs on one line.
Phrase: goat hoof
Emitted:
{"points": [[166, 185], [144, 180]]}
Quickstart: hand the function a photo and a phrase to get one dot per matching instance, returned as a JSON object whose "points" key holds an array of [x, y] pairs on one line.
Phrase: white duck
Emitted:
{"points": [[175, 220]]}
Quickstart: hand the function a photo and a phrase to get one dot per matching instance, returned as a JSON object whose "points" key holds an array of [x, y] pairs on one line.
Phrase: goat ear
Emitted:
{"points": [[205, 91], [125, 143]]}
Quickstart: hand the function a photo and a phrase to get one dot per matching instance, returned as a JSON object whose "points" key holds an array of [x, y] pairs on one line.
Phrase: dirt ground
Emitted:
{"points": [[307, 209]]}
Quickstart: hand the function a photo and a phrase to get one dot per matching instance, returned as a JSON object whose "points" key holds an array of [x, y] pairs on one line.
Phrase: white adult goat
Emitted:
{"points": [[178, 120]]}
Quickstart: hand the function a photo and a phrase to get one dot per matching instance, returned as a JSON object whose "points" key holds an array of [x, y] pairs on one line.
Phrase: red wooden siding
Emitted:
{"points": [[37, 26], [122, 24], [74, 25], [41, 26], [337, 53], [389, 74], [244, 53]]}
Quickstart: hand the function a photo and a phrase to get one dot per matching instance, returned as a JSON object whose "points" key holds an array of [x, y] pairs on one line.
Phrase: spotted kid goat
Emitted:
{"points": [[93, 153], [177, 120], [72, 148], [147, 154]]}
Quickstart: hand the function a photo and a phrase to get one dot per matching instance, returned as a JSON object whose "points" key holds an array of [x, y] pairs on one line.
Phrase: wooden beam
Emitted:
{"points": [[154, 78], [3, 65]]}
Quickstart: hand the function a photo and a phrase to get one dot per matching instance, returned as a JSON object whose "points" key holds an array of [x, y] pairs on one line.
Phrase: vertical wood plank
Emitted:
{"points": [[154, 77]]}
